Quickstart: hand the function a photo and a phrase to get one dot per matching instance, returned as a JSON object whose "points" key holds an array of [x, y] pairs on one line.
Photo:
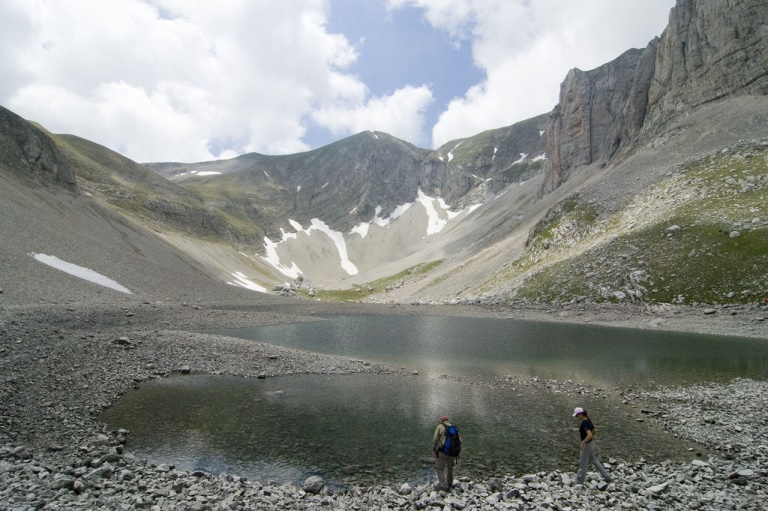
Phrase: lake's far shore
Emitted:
{"points": [[62, 364]]}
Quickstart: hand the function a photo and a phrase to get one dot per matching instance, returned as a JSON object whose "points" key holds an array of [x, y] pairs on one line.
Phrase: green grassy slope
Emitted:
{"points": [[700, 236]]}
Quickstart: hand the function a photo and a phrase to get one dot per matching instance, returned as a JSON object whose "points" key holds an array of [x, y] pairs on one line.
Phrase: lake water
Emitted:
{"points": [[378, 428]]}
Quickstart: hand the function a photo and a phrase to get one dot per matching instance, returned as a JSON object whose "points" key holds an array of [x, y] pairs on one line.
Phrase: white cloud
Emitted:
{"points": [[192, 80], [526, 48], [400, 114], [172, 79]]}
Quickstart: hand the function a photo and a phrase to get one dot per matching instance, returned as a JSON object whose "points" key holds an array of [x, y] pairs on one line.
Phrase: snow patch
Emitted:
{"points": [[361, 229], [447, 208], [450, 153], [435, 224], [523, 156], [317, 224], [296, 226], [540, 157], [79, 271], [206, 173], [472, 208], [272, 258], [242, 281], [338, 240]]}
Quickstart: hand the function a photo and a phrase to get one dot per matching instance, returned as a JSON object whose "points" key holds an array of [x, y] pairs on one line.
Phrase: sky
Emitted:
{"points": [[195, 80]]}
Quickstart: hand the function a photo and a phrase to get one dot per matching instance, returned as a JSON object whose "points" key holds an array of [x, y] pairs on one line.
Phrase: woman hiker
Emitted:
{"points": [[586, 432]]}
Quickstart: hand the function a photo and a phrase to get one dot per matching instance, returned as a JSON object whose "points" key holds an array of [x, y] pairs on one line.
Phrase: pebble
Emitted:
{"points": [[91, 469]]}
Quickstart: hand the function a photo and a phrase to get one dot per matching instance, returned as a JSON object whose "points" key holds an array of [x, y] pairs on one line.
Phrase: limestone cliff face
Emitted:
{"points": [[588, 124], [25, 147], [711, 49]]}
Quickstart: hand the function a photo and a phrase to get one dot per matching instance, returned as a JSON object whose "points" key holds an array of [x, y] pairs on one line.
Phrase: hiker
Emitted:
{"points": [[587, 434], [446, 444]]}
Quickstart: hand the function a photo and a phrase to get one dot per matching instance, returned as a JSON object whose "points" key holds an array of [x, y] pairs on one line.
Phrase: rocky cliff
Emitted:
{"points": [[711, 49], [28, 149]]}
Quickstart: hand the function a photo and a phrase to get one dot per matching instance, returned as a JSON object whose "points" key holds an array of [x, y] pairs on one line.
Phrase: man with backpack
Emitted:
{"points": [[446, 444]]}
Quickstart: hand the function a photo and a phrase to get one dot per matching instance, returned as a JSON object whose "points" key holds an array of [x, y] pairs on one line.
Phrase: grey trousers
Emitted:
{"points": [[587, 457], [444, 468]]}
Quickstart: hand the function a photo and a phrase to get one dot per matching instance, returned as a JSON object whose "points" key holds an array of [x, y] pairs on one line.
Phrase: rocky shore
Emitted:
{"points": [[62, 364]]}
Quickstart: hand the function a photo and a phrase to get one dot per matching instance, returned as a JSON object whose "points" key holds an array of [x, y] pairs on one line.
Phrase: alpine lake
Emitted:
{"points": [[377, 428]]}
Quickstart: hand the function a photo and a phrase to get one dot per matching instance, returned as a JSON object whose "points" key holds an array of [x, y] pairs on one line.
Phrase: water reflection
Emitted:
{"points": [[366, 428], [378, 428], [481, 347]]}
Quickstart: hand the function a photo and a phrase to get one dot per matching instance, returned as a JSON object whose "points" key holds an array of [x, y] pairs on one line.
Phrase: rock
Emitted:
{"points": [[734, 234], [658, 489], [60, 483], [313, 484], [456, 503]]}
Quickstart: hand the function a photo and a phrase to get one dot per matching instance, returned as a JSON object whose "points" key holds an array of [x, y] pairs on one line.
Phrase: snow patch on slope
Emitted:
{"points": [[272, 258], [243, 281], [81, 272], [438, 213]]}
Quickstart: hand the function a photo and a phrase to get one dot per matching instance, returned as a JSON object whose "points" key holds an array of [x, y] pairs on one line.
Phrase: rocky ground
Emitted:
{"points": [[61, 364]]}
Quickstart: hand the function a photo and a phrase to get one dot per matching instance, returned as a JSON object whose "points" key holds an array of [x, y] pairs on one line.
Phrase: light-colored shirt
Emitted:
{"points": [[438, 440]]}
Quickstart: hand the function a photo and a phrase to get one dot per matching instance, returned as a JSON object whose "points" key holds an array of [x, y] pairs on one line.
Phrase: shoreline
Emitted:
{"points": [[62, 364]]}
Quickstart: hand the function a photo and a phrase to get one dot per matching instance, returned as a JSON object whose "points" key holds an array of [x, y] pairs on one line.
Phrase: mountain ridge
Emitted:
{"points": [[538, 211]]}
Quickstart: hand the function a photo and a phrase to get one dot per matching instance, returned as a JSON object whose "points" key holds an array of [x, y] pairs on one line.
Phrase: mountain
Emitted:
{"points": [[372, 173], [646, 183]]}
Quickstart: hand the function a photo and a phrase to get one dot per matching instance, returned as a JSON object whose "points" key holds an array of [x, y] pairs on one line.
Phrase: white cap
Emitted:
{"points": [[577, 411]]}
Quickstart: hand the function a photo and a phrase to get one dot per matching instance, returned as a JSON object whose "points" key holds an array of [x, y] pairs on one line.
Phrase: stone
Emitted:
{"points": [[313, 484]]}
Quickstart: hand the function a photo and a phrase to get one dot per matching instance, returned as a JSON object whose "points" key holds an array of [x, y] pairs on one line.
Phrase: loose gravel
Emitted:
{"points": [[61, 365]]}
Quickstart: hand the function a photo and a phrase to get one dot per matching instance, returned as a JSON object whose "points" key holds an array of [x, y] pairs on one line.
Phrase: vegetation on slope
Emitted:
{"points": [[701, 236], [136, 191], [376, 287]]}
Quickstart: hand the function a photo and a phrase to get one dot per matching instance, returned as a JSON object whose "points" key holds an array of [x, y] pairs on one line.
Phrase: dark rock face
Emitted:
{"points": [[711, 50], [22, 146]]}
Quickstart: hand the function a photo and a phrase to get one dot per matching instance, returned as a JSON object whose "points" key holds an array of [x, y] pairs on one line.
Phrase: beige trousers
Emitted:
{"points": [[444, 468]]}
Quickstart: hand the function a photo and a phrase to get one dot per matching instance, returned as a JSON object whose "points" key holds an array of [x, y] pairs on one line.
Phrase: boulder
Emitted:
{"points": [[313, 484]]}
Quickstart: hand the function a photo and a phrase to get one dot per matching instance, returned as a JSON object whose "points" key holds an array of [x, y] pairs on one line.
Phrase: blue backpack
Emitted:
{"points": [[452, 444]]}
